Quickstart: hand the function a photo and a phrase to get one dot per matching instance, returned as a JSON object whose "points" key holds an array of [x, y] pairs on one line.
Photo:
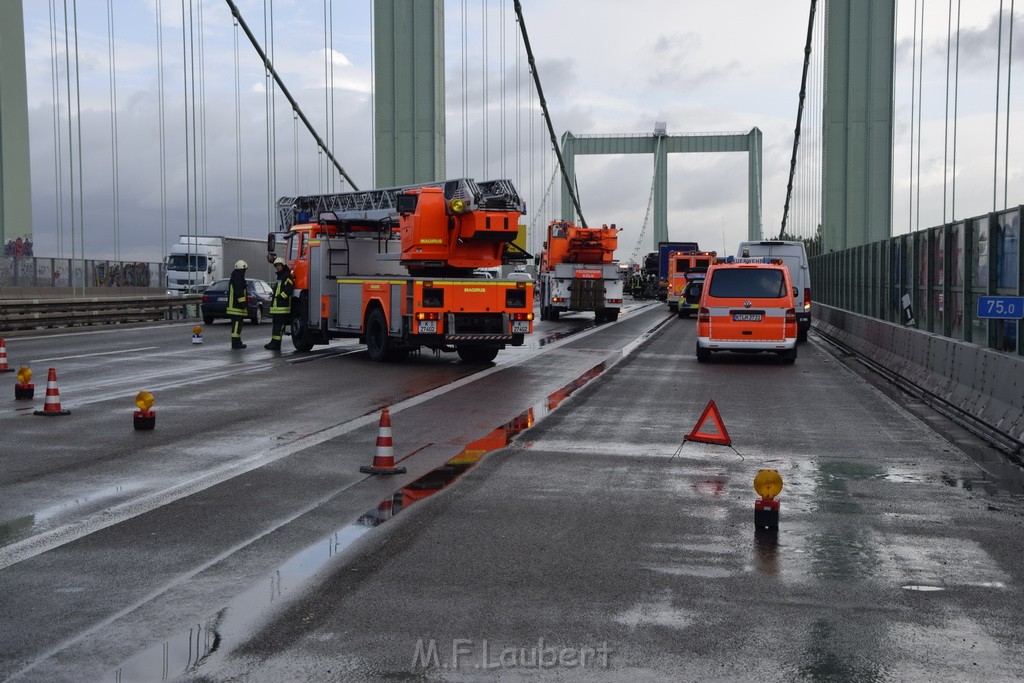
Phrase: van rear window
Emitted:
{"points": [[748, 283]]}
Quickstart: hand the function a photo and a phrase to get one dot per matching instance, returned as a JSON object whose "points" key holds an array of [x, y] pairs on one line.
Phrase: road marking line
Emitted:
{"points": [[99, 353]]}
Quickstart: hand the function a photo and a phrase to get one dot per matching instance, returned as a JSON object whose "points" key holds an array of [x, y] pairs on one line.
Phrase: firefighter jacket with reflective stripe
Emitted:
{"points": [[237, 294], [282, 303]]}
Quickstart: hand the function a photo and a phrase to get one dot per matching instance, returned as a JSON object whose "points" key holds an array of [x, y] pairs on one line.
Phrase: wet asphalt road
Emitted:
{"points": [[236, 542]]}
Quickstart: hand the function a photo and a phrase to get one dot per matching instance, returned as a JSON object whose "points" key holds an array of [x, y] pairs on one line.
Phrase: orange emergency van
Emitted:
{"points": [[685, 275], [747, 306]]}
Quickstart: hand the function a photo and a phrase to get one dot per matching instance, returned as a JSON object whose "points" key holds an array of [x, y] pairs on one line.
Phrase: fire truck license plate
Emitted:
{"points": [[747, 317], [428, 327], [520, 327]]}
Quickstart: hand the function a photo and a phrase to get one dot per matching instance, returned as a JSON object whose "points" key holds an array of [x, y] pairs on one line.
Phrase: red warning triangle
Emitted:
{"points": [[717, 432]]}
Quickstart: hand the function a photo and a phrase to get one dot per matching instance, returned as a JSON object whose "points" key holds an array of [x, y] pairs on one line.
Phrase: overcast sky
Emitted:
{"points": [[607, 67]]}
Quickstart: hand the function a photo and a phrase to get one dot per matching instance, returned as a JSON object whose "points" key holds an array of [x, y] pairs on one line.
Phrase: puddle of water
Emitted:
{"points": [[185, 652]]}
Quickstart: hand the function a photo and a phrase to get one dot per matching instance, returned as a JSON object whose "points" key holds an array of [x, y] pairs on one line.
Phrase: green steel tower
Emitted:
{"points": [[408, 91], [15, 180], [857, 122]]}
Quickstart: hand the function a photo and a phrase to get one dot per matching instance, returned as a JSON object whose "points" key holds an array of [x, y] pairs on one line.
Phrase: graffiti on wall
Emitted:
{"points": [[120, 275], [18, 247]]}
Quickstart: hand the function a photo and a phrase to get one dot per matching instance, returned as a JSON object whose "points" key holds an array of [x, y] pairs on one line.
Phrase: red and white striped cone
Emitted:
{"points": [[384, 461], [52, 405], [3, 357]]}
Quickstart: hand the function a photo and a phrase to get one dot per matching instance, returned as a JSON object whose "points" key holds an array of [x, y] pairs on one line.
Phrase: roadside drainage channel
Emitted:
{"points": [[187, 651]]}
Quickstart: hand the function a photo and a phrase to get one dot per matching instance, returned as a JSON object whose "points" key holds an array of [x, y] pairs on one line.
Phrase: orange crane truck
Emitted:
{"points": [[577, 272], [395, 268]]}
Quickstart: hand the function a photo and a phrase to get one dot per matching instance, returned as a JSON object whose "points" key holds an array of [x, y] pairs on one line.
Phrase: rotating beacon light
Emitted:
{"points": [[145, 416], [197, 334], [768, 484], [24, 390]]}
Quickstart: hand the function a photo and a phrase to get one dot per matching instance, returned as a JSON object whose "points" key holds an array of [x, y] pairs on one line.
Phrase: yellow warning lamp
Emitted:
{"points": [[24, 375], [144, 400], [457, 205], [768, 484], [197, 329]]}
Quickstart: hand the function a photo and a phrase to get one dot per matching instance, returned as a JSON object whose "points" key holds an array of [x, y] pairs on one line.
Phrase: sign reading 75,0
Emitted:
{"points": [[1001, 307]]}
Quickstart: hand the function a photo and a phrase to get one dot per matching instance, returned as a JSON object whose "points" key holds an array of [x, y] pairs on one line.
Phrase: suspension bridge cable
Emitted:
{"points": [[78, 121], [920, 103], [161, 125], [58, 157], [650, 202], [956, 105], [519, 115], [483, 78], [112, 61], [547, 117], [1006, 137], [999, 63], [502, 62], [184, 78], [373, 105], [945, 142], [272, 51], [799, 115], [913, 94], [284, 91], [192, 86], [71, 144], [238, 134], [202, 117], [464, 89]]}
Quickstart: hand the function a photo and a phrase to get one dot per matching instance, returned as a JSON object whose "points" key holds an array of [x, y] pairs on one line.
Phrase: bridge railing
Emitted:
{"points": [[29, 314], [940, 271]]}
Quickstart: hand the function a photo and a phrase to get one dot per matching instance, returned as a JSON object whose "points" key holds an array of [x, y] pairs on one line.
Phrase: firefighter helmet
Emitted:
{"points": [[279, 261], [241, 265]]}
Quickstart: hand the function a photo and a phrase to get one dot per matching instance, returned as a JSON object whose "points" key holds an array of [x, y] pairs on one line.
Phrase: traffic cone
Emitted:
{"points": [[3, 357], [384, 461], [52, 405]]}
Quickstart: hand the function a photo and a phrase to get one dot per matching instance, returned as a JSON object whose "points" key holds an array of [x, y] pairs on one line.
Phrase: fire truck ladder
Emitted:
{"points": [[378, 208]]}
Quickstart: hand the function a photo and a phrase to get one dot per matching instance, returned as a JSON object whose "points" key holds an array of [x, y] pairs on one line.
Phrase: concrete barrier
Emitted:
{"points": [[984, 383]]}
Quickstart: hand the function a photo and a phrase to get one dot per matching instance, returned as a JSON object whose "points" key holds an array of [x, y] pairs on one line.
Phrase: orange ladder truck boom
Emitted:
{"points": [[577, 272], [394, 268]]}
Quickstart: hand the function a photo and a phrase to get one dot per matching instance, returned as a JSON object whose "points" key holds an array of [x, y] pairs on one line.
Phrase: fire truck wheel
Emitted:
{"points": [[301, 339], [476, 354], [378, 343]]}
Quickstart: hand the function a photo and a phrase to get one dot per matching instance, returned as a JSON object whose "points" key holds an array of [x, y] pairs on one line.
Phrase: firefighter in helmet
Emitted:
{"points": [[237, 303], [281, 305]]}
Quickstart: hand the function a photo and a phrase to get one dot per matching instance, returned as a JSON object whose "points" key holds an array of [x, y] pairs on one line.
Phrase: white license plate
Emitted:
{"points": [[428, 327], [520, 327], [747, 317], [222, 298]]}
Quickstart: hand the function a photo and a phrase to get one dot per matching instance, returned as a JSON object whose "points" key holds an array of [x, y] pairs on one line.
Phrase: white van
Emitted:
{"points": [[794, 256]]}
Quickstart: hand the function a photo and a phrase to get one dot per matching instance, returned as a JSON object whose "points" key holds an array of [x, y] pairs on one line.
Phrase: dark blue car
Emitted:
{"points": [[258, 297]]}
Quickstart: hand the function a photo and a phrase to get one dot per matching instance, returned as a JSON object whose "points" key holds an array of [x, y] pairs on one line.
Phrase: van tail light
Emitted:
{"points": [[704, 315], [790, 315], [807, 298]]}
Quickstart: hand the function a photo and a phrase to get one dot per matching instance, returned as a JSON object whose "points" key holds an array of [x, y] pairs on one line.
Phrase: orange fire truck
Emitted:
{"points": [[577, 272], [395, 268]]}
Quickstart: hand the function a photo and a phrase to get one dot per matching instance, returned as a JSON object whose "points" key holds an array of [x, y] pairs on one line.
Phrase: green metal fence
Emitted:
{"points": [[941, 271]]}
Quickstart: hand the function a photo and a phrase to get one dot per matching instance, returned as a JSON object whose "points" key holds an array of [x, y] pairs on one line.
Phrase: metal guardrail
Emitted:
{"points": [[28, 314]]}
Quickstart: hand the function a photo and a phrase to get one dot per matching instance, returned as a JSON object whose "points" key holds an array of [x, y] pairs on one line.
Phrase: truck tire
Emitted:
{"points": [[553, 313], [611, 314], [477, 354], [379, 345], [788, 357], [302, 339], [801, 334]]}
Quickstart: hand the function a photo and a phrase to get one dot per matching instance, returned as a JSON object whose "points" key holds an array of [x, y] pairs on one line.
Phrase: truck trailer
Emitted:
{"points": [[196, 262]]}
